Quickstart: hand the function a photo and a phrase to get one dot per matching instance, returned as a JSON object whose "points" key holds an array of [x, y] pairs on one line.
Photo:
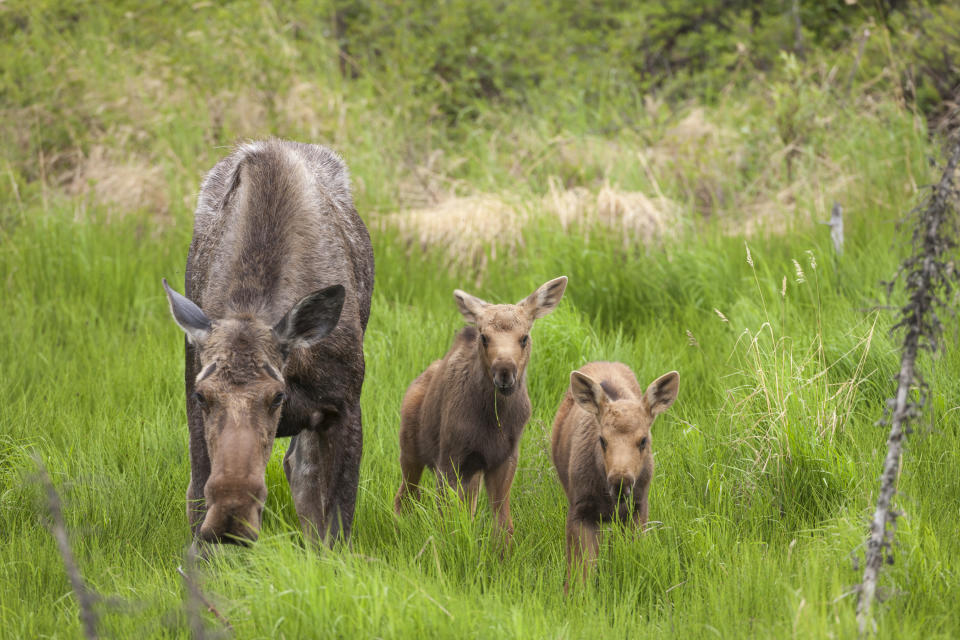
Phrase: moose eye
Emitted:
{"points": [[603, 443], [201, 400], [523, 341], [483, 340], [278, 400], [642, 444]]}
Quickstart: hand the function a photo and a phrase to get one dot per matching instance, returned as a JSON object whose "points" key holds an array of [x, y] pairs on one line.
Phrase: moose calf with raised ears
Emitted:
{"points": [[278, 286], [463, 417], [602, 449]]}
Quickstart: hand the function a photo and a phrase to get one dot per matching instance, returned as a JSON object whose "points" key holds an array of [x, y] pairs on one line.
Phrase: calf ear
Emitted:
{"points": [[545, 299], [662, 392], [470, 306], [587, 393], [189, 316], [310, 319]]}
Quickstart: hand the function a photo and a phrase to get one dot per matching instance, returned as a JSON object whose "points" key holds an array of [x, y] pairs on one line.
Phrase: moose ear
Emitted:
{"points": [[587, 393], [545, 299], [189, 316], [662, 392], [470, 306], [310, 319]]}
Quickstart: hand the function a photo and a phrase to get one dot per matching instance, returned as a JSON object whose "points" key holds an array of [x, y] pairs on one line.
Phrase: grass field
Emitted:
{"points": [[689, 236]]}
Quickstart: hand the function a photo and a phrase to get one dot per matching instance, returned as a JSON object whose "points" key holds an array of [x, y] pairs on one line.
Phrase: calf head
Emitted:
{"points": [[241, 390], [503, 331], [624, 425]]}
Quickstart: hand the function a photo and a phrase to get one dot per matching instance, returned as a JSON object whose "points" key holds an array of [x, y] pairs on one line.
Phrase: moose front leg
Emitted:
{"points": [[641, 510], [323, 471], [199, 458], [199, 473], [498, 482], [471, 493], [582, 546]]}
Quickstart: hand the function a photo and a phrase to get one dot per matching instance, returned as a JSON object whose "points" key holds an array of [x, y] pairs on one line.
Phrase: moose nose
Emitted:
{"points": [[621, 483], [505, 377], [233, 523]]}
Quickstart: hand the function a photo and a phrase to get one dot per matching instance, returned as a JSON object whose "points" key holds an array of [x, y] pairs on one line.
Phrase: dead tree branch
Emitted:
{"points": [[195, 596], [929, 276], [86, 597]]}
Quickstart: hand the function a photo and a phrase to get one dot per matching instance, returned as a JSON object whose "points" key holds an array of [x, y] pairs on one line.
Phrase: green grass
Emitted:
{"points": [[767, 465]]}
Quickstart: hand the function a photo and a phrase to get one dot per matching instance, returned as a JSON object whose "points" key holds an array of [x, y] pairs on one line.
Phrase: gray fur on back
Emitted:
{"points": [[325, 233]]}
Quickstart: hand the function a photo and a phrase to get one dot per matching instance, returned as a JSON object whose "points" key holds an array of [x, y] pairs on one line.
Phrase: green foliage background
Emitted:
{"points": [[110, 113]]}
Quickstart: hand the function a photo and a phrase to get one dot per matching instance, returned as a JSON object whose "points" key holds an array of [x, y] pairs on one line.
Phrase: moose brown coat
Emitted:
{"points": [[463, 416], [601, 448], [280, 274]]}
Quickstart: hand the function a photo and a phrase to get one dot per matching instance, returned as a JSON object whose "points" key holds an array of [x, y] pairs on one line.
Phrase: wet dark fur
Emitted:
{"points": [[275, 221]]}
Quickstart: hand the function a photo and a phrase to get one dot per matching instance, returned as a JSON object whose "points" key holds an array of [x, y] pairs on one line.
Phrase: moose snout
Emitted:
{"points": [[621, 483], [234, 524], [233, 515], [504, 377]]}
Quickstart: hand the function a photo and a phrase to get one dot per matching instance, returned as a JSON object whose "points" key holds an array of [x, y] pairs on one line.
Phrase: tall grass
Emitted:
{"points": [[764, 465]]}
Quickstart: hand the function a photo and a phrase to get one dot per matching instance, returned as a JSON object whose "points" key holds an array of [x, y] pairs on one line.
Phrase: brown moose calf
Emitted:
{"points": [[464, 415], [602, 450]]}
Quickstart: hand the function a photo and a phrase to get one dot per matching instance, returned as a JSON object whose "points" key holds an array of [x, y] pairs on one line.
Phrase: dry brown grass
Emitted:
{"points": [[472, 230], [122, 184], [638, 217]]}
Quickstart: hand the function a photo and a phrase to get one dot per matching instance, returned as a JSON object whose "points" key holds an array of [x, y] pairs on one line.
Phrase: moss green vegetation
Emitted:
{"points": [[766, 465]]}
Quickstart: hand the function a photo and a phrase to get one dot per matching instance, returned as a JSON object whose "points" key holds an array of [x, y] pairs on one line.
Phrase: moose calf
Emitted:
{"points": [[602, 450], [464, 415]]}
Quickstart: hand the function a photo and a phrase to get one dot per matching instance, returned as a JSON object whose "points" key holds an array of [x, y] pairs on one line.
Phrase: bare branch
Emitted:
{"points": [[195, 596], [929, 277], [86, 597]]}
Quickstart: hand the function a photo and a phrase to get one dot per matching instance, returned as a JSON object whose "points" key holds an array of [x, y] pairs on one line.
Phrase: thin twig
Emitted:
{"points": [[197, 596], [856, 62], [86, 597]]}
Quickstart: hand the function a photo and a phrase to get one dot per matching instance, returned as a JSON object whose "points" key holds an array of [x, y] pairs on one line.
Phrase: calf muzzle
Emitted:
{"points": [[505, 378], [621, 485]]}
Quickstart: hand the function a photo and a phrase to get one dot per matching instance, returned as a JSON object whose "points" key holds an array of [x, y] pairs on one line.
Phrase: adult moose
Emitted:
{"points": [[280, 274]]}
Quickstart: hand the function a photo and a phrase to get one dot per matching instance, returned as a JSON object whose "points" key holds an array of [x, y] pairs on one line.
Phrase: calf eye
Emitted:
{"points": [[200, 400], [603, 443], [483, 340], [523, 341], [642, 444], [277, 400]]}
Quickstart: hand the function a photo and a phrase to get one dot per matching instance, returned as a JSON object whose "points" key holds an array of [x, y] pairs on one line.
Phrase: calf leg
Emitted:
{"points": [[498, 482], [582, 545], [323, 471], [471, 492], [641, 510], [410, 471], [410, 466]]}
